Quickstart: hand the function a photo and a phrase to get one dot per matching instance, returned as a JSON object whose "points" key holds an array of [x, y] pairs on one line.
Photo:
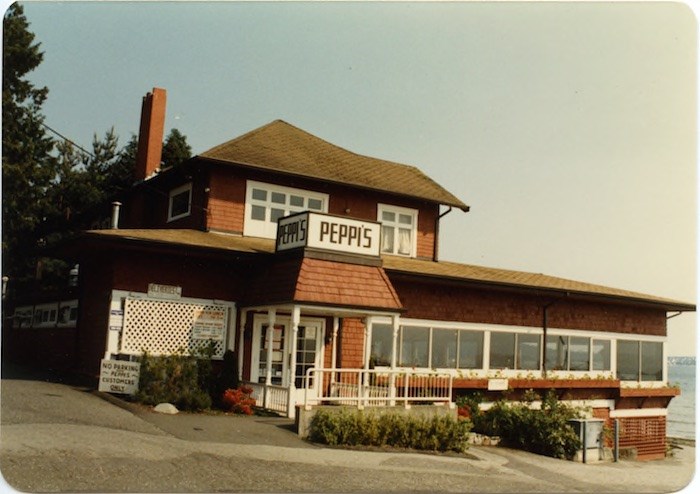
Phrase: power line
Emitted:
{"points": [[68, 140]]}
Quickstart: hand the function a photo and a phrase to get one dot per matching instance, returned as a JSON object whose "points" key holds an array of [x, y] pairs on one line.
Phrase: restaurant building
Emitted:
{"points": [[302, 257]]}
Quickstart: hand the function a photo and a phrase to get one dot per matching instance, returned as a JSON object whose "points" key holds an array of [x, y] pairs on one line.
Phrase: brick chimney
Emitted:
{"points": [[150, 147]]}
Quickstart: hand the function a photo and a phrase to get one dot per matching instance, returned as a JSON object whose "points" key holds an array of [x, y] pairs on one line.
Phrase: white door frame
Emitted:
{"points": [[285, 320]]}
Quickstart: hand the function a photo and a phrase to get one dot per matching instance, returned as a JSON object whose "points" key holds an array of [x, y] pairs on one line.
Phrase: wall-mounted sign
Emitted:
{"points": [[209, 324], [322, 231], [116, 319], [498, 384], [164, 291], [119, 376]]}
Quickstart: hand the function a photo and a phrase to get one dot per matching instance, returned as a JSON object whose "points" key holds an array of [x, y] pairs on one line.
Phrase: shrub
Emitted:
{"points": [[172, 379], [368, 428], [225, 379], [239, 400], [546, 431]]}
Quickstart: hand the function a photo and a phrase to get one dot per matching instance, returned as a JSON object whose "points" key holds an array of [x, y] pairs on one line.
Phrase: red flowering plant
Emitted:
{"points": [[239, 400]]}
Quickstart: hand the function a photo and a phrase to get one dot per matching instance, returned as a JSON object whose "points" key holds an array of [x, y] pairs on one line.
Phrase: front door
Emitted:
{"points": [[309, 351]]}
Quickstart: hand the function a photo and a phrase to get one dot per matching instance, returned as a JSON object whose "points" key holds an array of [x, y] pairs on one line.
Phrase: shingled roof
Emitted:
{"points": [[441, 271], [284, 148], [444, 270]]}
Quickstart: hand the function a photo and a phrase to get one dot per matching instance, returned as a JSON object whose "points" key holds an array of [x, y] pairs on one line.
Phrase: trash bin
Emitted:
{"points": [[590, 432]]}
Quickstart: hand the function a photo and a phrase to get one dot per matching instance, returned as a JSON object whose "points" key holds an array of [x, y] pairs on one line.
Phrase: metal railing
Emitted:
{"points": [[376, 387]]}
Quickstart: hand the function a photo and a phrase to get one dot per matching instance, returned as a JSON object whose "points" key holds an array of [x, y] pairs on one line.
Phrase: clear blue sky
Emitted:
{"points": [[569, 128]]}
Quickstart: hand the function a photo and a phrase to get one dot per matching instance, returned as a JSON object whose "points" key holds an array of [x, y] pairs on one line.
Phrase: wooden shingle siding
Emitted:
{"points": [[226, 205], [351, 345], [436, 301]]}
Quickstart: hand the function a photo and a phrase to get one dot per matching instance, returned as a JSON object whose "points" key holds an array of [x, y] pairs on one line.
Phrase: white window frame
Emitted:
{"points": [[266, 228], [176, 192], [388, 208], [643, 339]]}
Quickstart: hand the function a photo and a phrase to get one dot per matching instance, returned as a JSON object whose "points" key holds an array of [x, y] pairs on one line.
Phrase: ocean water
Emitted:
{"points": [[681, 411]]}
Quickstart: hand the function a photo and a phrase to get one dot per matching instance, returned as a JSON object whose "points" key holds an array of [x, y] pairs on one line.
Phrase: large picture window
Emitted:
{"points": [[514, 351], [577, 353], [415, 342], [399, 227], [639, 360], [267, 203], [382, 344]]}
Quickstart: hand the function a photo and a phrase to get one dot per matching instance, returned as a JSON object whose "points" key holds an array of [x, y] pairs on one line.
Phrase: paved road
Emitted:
{"points": [[60, 437]]}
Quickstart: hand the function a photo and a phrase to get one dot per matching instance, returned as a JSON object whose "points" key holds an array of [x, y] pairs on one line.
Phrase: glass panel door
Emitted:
{"points": [[309, 339], [277, 354]]}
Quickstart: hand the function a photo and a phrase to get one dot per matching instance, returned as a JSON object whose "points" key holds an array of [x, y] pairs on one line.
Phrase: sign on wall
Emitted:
{"points": [[169, 292], [209, 324], [322, 231], [119, 376]]}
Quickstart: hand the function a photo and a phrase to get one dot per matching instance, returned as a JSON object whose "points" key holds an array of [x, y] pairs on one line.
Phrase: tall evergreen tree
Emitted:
{"points": [[175, 149], [27, 166]]}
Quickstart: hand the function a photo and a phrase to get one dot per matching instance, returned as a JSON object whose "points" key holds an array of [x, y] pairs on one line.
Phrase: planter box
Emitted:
{"points": [[649, 392]]}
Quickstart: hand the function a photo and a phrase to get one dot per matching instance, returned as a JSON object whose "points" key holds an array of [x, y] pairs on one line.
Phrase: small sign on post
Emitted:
{"points": [[119, 376]]}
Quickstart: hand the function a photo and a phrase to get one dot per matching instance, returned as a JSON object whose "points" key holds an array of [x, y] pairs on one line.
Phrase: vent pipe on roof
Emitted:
{"points": [[150, 148]]}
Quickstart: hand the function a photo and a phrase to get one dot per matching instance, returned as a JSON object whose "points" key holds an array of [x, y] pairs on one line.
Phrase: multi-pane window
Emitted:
{"points": [[577, 353], [437, 348], [454, 348], [180, 202], [399, 227], [639, 360], [514, 351], [267, 203]]}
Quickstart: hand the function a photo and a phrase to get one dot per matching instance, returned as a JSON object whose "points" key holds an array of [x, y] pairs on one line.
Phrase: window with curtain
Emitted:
{"points": [[399, 227]]}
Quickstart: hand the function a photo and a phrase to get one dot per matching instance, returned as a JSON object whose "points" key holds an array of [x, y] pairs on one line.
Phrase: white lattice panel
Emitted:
{"points": [[163, 327]]}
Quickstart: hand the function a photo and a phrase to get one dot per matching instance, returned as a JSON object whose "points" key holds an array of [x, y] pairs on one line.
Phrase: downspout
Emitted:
{"points": [[437, 232], [544, 337], [544, 332]]}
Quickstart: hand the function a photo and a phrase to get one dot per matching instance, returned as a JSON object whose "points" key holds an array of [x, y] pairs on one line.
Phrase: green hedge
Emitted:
{"points": [[175, 379], [544, 431], [369, 428]]}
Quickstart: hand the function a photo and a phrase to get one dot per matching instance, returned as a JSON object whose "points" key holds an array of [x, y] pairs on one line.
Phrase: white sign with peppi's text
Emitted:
{"points": [[119, 376], [327, 232]]}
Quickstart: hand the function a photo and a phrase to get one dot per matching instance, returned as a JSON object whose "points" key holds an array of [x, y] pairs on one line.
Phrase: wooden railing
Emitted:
{"points": [[361, 387]]}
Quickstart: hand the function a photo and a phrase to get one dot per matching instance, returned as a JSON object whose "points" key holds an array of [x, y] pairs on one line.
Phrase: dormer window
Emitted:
{"points": [[180, 202], [399, 227], [267, 203]]}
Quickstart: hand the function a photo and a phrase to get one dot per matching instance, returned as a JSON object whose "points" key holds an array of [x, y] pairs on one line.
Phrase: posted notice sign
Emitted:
{"points": [[209, 324], [119, 376]]}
